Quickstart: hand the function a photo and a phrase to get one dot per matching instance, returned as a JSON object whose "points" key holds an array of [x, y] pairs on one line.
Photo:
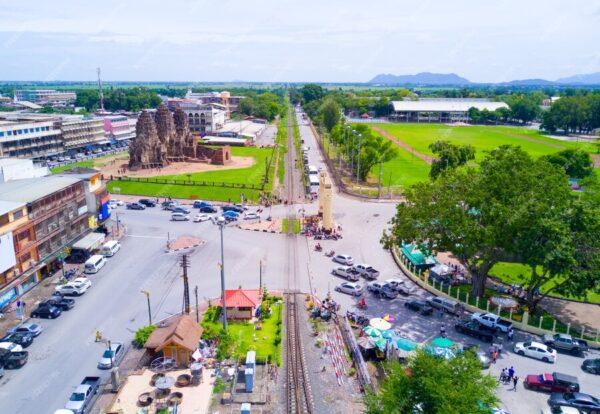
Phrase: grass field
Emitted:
{"points": [[250, 175]]}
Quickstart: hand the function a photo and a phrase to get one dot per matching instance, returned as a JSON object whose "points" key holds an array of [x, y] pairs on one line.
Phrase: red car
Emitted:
{"points": [[555, 382]]}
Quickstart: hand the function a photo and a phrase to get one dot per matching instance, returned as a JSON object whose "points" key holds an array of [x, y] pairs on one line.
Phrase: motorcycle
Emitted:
{"points": [[330, 253], [318, 248], [362, 304]]}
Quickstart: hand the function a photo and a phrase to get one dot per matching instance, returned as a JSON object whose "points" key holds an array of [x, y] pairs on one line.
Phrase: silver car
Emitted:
{"points": [[111, 355], [32, 328], [350, 288]]}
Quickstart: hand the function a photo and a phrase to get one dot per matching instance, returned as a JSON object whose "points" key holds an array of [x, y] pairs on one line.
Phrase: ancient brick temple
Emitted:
{"points": [[166, 139]]}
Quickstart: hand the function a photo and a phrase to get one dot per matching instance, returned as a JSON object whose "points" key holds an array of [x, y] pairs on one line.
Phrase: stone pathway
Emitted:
{"points": [[404, 145]]}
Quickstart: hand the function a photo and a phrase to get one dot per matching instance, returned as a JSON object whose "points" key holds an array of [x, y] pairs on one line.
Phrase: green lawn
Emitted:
{"points": [[404, 170], [483, 138], [268, 339], [251, 175]]}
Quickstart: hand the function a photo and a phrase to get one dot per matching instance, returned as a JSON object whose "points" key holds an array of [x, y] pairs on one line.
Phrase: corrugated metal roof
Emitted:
{"points": [[8, 206], [30, 189], [461, 105]]}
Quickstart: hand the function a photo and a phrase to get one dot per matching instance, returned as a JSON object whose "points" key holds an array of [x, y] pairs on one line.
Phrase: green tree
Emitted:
{"points": [[474, 114], [524, 108], [435, 385], [576, 163], [380, 150], [449, 156], [311, 92], [331, 114]]}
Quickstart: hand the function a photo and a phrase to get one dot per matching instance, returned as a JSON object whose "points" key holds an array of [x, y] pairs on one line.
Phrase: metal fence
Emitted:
{"points": [[152, 180], [361, 367]]}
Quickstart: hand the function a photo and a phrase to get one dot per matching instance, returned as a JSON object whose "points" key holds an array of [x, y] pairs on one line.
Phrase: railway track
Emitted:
{"points": [[298, 392]]}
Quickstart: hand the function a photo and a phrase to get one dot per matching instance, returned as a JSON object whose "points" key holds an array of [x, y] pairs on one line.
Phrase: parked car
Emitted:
{"points": [[351, 288], [34, 329], [535, 350], [169, 205], [228, 218], [591, 365], [179, 209], [399, 286], [242, 206], [199, 218], [76, 287], [200, 204], [208, 209], [251, 216], [565, 342], [176, 216], [448, 305], [83, 394], [111, 355], [344, 259], [481, 356], [135, 206], [346, 272], [11, 346], [395, 282], [147, 202], [233, 208], [12, 360], [48, 312], [382, 289], [231, 214], [367, 271], [60, 302], [20, 338], [475, 330], [584, 402], [492, 321], [555, 382], [419, 306]]}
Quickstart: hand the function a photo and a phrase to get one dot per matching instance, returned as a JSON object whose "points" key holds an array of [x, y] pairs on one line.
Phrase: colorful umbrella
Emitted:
{"points": [[389, 334], [406, 345], [373, 332], [388, 318], [380, 343], [380, 324], [442, 342], [366, 342], [445, 353]]}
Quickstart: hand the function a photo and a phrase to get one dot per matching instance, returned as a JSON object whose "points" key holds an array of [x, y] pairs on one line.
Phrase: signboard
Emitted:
{"points": [[7, 252], [7, 297]]}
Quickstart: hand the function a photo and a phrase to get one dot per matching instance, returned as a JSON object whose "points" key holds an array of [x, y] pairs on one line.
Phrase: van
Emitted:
{"points": [[312, 170], [180, 217], [95, 263], [449, 305], [110, 248]]}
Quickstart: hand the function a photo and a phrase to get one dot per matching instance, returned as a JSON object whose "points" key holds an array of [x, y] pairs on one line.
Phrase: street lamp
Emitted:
{"points": [[222, 266], [110, 353], [145, 292], [358, 156]]}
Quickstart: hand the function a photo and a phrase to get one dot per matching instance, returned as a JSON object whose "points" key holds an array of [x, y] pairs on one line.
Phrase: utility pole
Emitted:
{"points": [[100, 92], [358, 157], [145, 292], [185, 264], [196, 294], [222, 266]]}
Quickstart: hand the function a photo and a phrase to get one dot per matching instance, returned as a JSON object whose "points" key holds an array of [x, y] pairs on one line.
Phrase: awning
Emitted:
{"points": [[90, 242]]}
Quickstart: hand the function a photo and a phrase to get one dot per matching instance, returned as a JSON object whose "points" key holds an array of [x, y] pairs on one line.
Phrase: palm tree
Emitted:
{"points": [[383, 150]]}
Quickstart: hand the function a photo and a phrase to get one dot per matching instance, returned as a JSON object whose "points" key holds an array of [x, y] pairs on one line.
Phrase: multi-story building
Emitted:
{"points": [[119, 128], [45, 215], [203, 118], [13, 218], [29, 136], [45, 96], [221, 98], [17, 168], [80, 132]]}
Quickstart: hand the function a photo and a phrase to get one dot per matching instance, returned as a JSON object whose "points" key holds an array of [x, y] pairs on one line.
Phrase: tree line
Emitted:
{"points": [[129, 99], [264, 105], [573, 114]]}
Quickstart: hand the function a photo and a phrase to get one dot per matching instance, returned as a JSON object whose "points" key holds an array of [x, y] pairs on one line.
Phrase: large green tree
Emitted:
{"points": [[311, 92], [331, 113], [435, 386], [449, 156], [576, 163], [378, 150]]}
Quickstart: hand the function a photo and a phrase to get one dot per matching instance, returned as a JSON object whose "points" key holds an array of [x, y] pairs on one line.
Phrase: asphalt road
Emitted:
{"points": [[66, 352]]}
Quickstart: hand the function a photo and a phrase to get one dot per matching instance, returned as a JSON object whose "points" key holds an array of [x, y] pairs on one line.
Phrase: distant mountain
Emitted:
{"points": [[423, 78], [589, 79], [528, 82]]}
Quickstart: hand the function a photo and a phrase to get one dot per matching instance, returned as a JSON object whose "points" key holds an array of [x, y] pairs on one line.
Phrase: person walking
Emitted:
{"points": [[515, 381], [510, 334], [494, 356], [511, 373]]}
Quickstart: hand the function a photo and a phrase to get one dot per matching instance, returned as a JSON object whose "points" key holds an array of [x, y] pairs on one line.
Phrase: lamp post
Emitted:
{"points": [[110, 352], [358, 156], [352, 150], [118, 225], [222, 266], [145, 292]]}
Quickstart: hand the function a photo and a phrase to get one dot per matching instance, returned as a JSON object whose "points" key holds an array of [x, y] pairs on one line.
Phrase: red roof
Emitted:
{"points": [[242, 298]]}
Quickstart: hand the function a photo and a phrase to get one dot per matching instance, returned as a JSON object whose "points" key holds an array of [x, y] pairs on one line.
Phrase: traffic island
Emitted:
{"points": [[183, 243]]}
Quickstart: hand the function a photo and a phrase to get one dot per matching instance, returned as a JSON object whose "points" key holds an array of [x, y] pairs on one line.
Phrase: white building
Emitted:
{"points": [[29, 136], [45, 96], [440, 110], [16, 169]]}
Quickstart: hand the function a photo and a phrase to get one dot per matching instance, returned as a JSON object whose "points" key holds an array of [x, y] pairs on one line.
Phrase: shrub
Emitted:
{"points": [[142, 335], [225, 346]]}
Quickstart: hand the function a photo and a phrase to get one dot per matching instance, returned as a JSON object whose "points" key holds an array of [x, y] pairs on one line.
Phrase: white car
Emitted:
{"points": [[535, 350], [12, 347], [76, 287], [395, 282], [367, 271], [346, 272], [110, 356], [344, 259], [199, 218], [350, 288], [251, 216]]}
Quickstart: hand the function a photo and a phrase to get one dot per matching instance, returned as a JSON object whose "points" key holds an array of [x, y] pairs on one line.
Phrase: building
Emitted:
{"points": [[242, 303], [96, 194], [119, 128], [13, 215], [45, 215], [29, 136], [178, 340], [223, 98], [202, 118], [440, 110], [46, 96], [81, 133], [17, 169]]}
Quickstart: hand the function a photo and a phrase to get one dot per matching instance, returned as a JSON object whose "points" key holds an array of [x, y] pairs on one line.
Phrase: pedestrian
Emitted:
{"points": [[443, 331], [515, 380], [511, 373], [494, 356], [510, 334], [98, 336]]}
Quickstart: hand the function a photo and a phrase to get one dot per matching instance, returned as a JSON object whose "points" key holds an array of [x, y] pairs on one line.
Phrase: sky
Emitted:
{"points": [[302, 41]]}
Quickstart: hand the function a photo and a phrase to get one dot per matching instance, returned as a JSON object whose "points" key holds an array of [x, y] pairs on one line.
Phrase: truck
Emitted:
{"points": [[12, 359], [367, 271], [347, 272], [564, 342], [81, 398], [492, 321]]}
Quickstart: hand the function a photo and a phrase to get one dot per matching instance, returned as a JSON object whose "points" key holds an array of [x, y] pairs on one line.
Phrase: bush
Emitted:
{"points": [[142, 335], [219, 386], [225, 347]]}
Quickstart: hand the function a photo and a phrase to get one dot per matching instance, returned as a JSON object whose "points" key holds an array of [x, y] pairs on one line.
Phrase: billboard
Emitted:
{"points": [[7, 252]]}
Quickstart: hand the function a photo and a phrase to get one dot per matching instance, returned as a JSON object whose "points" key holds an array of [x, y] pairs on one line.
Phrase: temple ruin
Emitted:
{"points": [[167, 138]]}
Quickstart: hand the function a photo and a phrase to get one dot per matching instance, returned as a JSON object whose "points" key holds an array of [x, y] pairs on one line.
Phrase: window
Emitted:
{"points": [[19, 131], [10, 133], [17, 214], [1, 134]]}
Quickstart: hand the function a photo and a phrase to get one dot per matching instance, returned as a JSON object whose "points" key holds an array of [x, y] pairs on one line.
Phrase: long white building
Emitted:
{"points": [[440, 110]]}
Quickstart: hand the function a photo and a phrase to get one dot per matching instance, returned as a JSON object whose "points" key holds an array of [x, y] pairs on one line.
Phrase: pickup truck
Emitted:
{"points": [[12, 359], [475, 330], [347, 273], [492, 321], [565, 343], [555, 382], [82, 396], [367, 271]]}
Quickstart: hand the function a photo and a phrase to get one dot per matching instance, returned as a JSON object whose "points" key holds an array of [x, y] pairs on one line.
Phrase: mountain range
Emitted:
{"points": [[428, 78]]}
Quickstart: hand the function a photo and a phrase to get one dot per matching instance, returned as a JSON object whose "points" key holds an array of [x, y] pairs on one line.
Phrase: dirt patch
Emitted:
{"points": [[526, 138], [596, 159], [118, 167], [404, 145]]}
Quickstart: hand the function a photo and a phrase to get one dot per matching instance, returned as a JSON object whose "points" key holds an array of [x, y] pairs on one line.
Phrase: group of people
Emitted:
{"points": [[507, 376]]}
